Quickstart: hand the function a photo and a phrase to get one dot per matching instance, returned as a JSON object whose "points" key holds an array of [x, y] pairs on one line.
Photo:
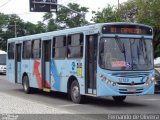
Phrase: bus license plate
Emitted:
{"points": [[131, 90]]}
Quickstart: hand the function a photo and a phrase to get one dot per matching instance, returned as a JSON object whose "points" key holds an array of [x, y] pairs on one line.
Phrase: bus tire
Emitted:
{"points": [[119, 98], [76, 97], [26, 87]]}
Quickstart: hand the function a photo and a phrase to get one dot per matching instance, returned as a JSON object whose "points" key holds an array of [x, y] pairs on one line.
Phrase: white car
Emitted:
{"points": [[3, 56]]}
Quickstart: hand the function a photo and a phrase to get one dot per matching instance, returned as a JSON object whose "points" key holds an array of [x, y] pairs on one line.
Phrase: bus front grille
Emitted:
{"points": [[131, 84], [130, 92], [130, 75], [125, 91]]}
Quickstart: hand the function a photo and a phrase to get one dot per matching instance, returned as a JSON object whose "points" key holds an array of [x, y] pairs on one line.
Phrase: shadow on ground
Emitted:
{"points": [[101, 102]]}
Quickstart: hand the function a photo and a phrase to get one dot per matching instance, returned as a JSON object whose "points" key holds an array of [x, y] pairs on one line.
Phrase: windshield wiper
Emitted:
{"points": [[120, 46], [143, 48]]}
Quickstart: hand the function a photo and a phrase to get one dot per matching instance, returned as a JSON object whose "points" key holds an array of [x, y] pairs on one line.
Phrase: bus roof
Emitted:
{"points": [[94, 26], [2, 52]]}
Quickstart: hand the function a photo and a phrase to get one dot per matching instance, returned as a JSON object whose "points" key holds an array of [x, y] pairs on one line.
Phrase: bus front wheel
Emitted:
{"points": [[119, 98], [26, 87], [75, 92]]}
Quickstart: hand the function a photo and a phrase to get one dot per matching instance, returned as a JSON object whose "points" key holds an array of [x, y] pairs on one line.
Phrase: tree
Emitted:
{"points": [[15, 26], [108, 14], [3, 23], [30, 28], [51, 22], [52, 25], [40, 27], [12, 26], [67, 17]]}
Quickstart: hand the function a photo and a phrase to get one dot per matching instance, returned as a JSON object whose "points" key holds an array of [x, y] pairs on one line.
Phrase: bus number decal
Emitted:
{"points": [[123, 80]]}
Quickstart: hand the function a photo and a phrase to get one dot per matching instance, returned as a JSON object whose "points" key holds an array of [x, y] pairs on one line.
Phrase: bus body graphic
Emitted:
{"points": [[37, 74], [105, 59], [55, 76]]}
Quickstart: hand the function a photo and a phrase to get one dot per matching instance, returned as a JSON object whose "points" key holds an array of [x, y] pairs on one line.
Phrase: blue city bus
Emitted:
{"points": [[106, 59]]}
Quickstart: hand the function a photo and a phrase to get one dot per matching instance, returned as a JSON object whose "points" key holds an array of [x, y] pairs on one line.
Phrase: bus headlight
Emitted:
{"points": [[107, 81], [154, 80], [149, 80]]}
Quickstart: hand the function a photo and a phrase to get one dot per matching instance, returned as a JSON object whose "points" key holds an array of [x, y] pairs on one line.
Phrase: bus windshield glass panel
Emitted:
{"points": [[126, 54], [126, 29]]}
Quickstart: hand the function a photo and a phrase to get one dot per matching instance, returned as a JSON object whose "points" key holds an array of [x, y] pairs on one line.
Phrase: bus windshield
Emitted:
{"points": [[126, 54], [2, 59]]}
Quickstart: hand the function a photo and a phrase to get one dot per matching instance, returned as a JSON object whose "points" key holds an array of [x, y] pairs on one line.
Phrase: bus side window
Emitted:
{"points": [[11, 50], [75, 46], [36, 48], [26, 49], [69, 47], [101, 52], [59, 47]]}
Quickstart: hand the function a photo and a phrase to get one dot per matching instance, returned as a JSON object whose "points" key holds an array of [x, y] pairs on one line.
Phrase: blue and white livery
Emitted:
{"points": [[106, 59]]}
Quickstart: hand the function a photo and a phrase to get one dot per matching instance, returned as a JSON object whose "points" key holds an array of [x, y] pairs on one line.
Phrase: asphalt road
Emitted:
{"points": [[134, 104]]}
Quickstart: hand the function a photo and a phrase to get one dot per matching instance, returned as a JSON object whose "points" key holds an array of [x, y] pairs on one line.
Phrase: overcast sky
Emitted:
{"points": [[21, 7]]}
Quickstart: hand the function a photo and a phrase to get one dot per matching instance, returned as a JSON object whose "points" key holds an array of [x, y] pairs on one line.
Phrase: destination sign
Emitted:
{"points": [[126, 29]]}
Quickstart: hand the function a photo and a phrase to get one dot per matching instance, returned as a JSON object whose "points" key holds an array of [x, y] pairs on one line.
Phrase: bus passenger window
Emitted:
{"points": [[11, 50], [36, 48], [75, 46], [26, 49], [69, 52], [59, 47]]}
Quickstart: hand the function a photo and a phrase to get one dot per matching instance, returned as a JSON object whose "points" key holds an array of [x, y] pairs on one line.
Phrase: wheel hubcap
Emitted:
{"points": [[75, 92], [25, 85]]}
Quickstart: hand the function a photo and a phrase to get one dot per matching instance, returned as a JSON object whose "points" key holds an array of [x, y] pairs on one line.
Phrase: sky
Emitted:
{"points": [[21, 7]]}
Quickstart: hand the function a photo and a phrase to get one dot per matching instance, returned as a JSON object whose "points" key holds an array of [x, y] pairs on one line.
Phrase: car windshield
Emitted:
{"points": [[126, 54], [2, 59]]}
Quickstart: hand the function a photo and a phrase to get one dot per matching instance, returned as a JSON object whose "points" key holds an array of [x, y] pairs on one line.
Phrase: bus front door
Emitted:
{"points": [[18, 64], [46, 56], [91, 63]]}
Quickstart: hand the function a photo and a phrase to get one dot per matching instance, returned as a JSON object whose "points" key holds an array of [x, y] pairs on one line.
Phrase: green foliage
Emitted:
{"points": [[8, 23], [51, 22], [66, 17], [107, 14], [30, 28], [70, 19], [40, 27], [52, 25]]}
